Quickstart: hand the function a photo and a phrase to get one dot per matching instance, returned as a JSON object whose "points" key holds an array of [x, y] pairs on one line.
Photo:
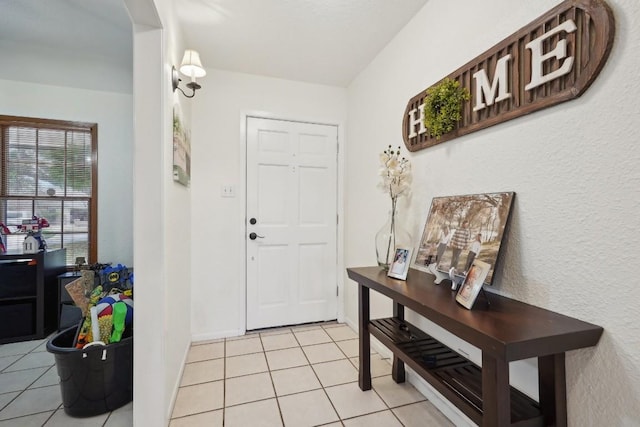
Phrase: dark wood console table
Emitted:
{"points": [[508, 330]]}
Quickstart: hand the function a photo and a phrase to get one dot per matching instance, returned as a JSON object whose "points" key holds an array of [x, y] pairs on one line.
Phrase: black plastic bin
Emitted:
{"points": [[96, 380]]}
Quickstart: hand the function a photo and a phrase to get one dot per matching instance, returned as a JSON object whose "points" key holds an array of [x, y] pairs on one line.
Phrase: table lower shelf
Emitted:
{"points": [[455, 377]]}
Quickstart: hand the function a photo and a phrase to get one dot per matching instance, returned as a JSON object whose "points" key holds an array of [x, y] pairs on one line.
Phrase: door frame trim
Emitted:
{"points": [[242, 195]]}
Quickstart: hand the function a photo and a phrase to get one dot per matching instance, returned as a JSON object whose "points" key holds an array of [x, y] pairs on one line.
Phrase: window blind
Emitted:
{"points": [[47, 170]]}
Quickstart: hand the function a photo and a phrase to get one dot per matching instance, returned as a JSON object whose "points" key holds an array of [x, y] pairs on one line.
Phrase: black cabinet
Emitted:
{"points": [[68, 314], [29, 294]]}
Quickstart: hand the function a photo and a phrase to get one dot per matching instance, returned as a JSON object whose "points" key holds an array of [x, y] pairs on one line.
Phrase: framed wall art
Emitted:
{"points": [[462, 229], [181, 149]]}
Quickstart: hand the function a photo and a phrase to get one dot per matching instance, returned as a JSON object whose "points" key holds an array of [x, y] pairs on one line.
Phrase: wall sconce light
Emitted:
{"points": [[191, 67]]}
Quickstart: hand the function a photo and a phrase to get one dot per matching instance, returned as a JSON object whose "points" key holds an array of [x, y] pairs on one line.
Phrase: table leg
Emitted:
{"points": [[397, 370], [364, 373], [552, 386], [496, 394]]}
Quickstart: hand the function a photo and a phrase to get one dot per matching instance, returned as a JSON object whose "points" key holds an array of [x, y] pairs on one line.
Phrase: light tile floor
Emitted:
{"points": [[300, 376], [30, 393], [294, 377]]}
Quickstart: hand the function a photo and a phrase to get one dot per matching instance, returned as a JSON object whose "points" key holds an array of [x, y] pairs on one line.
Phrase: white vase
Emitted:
{"points": [[391, 236]]}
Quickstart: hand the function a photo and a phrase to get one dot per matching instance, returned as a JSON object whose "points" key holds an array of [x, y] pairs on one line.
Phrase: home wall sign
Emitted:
{"points": [[552, 60]]}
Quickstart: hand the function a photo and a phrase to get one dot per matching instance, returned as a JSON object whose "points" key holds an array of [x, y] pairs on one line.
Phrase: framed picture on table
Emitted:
{"points": [[462, 228], [473, 283], [400, 266]]}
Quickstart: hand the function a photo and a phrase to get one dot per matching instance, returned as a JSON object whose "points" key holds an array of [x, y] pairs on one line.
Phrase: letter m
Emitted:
{"points": [[488, 92]]}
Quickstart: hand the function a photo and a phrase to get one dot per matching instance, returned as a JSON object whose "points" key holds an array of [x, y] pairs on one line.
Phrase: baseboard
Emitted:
{"points": [[350, 323], [176, 387], [447, 408], [217, 335], [194, 339]]}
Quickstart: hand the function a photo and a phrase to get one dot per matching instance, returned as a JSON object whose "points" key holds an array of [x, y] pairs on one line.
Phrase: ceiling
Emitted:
{"points": [[94, 28], [319, 41]]}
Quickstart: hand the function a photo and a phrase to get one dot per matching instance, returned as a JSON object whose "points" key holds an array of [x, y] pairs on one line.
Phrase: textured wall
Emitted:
{"points": [[218, 239], [573, 237]]}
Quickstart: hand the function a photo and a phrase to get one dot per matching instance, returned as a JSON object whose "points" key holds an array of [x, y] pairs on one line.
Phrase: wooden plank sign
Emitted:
{"points": [[552, 60]]}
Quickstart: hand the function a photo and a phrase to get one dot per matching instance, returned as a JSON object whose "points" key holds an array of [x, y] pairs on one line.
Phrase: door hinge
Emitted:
{"points": [[337, 219], [337, 291]]}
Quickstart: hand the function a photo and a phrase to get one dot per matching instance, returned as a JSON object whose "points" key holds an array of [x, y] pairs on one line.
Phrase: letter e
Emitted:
{"points": [[559, 52]]}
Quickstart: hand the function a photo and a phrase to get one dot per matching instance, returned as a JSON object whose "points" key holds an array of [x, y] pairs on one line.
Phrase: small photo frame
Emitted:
{"points": [[473, 283], [400, 266]]}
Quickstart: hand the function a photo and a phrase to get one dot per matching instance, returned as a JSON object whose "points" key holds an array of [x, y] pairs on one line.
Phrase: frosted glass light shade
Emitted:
{"points": [[191, 65]]}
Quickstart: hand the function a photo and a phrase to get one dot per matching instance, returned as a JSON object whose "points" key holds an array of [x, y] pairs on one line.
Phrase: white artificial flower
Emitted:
{"points": [[395, 172]]}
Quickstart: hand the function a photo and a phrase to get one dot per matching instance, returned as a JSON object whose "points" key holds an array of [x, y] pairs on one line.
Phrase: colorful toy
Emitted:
{"points": [[84, 333], [114, 276], [111, 301], [120, 311], [105, 307], [33, 242], [96, 295], [4, 230], [105, 325], [95, 326]]}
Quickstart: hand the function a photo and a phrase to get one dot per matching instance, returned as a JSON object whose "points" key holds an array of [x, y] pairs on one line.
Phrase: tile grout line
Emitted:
{"points": [[4, 371], [223, 358], [224, 381], [388, 408], [21, 392], [318, 378], [311, 365], [109, 416], [53, 411], [273, 386], [294, 367], [51, 416], [270, 371]]}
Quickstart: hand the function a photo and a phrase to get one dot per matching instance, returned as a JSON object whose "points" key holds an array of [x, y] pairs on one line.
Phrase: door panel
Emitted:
{"points": [[312, 182], [292, 194], [269, 265], [312, 288], [272, 208]]}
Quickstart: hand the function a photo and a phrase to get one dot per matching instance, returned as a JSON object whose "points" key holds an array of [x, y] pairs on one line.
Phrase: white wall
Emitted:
{"points": [[113, 114], [573, 237], [217, 237], [136, 191], [149, 370], [162, 218], [59, 67], [177, 223]]}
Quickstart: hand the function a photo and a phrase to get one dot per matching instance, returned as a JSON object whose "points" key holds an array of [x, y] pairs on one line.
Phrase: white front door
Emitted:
{"points": [[292, 213]]}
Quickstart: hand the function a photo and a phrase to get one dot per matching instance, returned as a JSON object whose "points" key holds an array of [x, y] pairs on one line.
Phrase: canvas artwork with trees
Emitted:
{"points": [[461, 229]]}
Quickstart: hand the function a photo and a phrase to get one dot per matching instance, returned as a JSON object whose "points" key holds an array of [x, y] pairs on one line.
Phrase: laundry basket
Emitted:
{"points": [[95, 380]]}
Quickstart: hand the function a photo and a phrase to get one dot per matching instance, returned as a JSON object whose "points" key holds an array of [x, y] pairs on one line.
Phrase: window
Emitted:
{"points": [[48, 168]]}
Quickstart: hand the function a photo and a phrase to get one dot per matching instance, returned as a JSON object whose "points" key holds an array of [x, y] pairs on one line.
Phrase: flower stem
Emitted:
{"points": [[392, 234]]}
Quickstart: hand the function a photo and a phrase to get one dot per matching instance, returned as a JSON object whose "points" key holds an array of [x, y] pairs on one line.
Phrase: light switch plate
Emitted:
{"points": [[228, 191]]}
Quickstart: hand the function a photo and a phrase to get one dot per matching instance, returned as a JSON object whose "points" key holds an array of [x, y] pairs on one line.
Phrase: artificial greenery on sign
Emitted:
{"points": [[442, 106]]}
